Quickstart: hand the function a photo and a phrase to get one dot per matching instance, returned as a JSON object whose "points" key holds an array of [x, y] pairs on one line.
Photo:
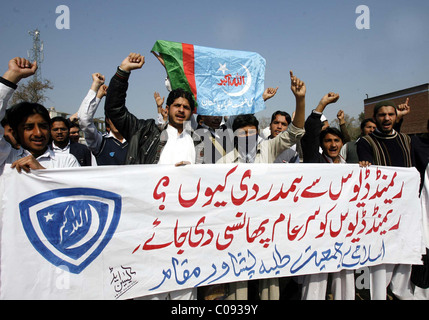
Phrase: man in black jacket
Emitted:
{"points": [[172, 143], [148, 141], [330, 140]]}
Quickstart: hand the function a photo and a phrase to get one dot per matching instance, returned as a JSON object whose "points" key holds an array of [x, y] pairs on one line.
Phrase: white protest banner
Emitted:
{"points": [[129, 231]]}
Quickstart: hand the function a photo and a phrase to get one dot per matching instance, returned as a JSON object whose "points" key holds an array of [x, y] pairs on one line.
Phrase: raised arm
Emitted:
{"points": [[162, 112], [327, 99], [343, 126], [299, 90], [18, 69], [87, 110], [294, 132], [310, 142], [402, 110], [269, 93], [115, 108]]}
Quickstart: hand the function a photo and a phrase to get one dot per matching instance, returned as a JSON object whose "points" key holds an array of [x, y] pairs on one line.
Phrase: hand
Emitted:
{"points": [[159, 102], [19, 68], [403, 110], [364, 164], [340, 117], [27, 164], [159, 57], [132, 62], [97, 80], [182, 164], [297, 86], [327, 99], [269, 93], [102, 91], [74, 118]]}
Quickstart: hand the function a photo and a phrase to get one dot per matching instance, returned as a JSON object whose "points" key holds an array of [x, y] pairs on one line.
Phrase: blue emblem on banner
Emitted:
{"points": [[71, 227]]}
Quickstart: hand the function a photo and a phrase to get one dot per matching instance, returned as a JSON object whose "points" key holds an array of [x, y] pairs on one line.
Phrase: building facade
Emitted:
{"points": [[414, 123]]}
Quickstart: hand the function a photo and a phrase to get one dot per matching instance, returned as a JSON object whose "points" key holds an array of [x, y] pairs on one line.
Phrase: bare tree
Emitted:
{"points": [[32, 91], [352, 125]]}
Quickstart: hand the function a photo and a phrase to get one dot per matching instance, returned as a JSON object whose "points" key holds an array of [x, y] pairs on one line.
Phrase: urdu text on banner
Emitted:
{"points": [[130, 231]]}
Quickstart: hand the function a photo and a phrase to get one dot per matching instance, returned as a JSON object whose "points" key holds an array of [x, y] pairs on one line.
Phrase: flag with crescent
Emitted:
{"points": [[223, 82]]}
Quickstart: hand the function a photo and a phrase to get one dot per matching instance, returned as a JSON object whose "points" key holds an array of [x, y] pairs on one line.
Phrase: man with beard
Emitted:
{"points": [[387, 147]]}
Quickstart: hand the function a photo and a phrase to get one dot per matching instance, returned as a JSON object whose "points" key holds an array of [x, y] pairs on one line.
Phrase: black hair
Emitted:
{"points": [[4, 122], [364, 122], [61, 119], [282, 113], [330, 130], [73, 124], [244, 120], [21, 111], [180, 93]]}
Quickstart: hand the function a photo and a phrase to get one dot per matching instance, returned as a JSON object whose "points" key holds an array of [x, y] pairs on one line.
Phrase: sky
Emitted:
{"points": [[317, 40]]}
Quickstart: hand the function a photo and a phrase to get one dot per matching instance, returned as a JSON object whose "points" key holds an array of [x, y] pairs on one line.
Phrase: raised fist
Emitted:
{"points": [[132, 62]]}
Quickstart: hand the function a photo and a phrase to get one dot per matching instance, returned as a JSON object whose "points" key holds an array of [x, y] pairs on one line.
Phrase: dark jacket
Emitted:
{"points": [[82, 154], [145, 138], [310, 141]]}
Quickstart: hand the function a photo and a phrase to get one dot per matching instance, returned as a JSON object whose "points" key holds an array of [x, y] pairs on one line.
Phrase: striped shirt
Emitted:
{"points": [[386, 150]]}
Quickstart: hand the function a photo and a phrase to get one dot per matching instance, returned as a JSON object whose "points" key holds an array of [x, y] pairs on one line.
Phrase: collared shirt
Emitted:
{"points": [[179, 147], [66, 150], [329, 159], [58, 149], [48, 160], [9, 155], [269, 150]]}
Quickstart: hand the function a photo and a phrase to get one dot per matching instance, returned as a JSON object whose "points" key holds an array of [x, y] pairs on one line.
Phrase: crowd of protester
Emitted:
{"points": [[31, 140]]}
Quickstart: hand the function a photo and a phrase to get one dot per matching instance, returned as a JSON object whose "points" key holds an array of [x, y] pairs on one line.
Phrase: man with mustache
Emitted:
{"points": [[387, 147], [171, 143], [61, 142]]}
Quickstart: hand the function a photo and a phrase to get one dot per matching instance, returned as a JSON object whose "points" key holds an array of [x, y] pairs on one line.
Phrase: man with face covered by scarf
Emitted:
{"points": [[249, 147], [246, 138]]}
